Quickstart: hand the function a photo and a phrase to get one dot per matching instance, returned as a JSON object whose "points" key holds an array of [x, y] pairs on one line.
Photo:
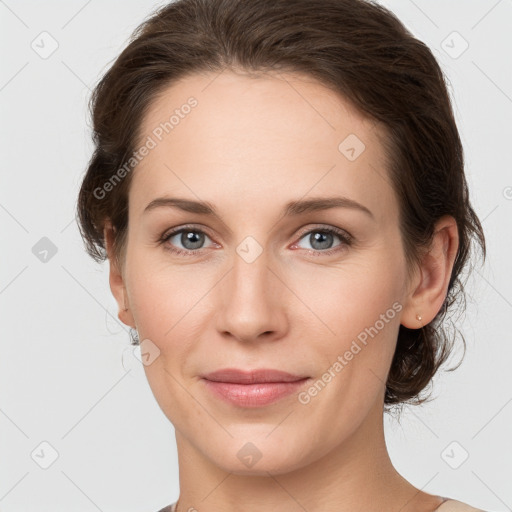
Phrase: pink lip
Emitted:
{"points": [[253, 388]]}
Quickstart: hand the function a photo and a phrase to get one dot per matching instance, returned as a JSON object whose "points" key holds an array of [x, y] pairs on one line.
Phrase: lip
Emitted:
{"points": [[254, 388], [264, 375]]}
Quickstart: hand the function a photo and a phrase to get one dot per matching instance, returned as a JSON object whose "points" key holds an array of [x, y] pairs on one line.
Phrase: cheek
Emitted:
{"points": [[363, 312], [359, 305], [161, 294], [172, 308], [351, 296], [168, 311]]}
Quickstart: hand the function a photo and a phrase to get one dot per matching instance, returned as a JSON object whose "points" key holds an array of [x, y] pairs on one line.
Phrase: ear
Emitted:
{"points": [[430, 285], [116, 279]]}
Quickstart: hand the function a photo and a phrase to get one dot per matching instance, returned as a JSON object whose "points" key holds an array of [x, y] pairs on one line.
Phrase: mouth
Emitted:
{"points": [[254, 388], [235, 376]]}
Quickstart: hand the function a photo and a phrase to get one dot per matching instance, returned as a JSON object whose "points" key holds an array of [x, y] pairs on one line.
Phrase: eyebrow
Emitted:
{"points": [[291, 208]]}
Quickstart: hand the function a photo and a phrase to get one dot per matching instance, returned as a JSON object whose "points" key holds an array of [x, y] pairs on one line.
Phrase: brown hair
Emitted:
{"points": [[355, 47]]}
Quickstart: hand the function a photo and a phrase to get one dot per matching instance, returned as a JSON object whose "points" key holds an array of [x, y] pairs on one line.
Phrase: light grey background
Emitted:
{"points": [[62, 379]]}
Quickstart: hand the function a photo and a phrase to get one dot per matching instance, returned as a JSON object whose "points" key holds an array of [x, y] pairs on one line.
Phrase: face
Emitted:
{"points": [[274, 276]]}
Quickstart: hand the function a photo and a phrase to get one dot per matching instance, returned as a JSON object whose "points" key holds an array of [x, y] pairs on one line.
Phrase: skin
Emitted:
{"points": [[251, 145]]}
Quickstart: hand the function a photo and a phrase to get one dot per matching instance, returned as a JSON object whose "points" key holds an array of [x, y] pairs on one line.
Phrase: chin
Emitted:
{"points": [[262, 456], [274, 466]]}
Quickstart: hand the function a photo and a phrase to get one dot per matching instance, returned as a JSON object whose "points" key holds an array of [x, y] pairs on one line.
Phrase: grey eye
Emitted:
{"points": [[189, 239], [320, 239]]}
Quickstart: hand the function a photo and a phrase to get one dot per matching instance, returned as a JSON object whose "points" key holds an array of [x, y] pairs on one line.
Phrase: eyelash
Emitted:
{"points": [[345, 238]]}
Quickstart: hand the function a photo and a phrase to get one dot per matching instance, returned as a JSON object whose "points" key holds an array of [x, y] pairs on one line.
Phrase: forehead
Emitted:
{"points": [[233, 134]]}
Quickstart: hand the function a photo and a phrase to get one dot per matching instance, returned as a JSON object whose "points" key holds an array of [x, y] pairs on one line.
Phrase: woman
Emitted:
{"points": [[279, 188]]}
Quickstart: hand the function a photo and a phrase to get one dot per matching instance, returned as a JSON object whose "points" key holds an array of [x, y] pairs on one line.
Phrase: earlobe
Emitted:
{"points": [[430, 290], [116, 280]]}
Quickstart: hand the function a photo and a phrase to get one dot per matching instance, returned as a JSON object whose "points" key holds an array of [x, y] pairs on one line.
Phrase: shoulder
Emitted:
{"points": [[457, 506]]}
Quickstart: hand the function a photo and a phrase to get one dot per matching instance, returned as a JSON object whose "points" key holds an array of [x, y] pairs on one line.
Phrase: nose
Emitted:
{"points": [[253, 301]]}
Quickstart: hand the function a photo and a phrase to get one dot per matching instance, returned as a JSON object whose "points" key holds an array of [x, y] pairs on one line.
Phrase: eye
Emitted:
{"points": [[191, 240], [321, 240]]}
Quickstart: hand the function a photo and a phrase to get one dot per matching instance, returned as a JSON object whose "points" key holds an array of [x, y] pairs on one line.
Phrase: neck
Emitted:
{"points": [[356, 475]]}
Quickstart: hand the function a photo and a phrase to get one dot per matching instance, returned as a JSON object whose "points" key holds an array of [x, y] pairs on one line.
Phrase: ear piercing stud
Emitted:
{"points": [[419, 318]]}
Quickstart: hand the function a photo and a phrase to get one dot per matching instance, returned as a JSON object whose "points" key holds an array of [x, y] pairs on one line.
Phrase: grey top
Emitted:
{"points": [[169, 508]]}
